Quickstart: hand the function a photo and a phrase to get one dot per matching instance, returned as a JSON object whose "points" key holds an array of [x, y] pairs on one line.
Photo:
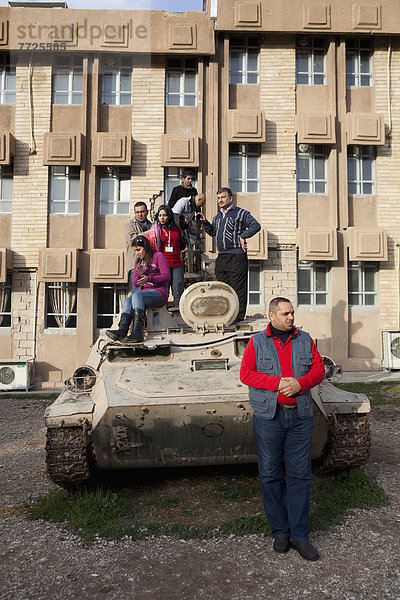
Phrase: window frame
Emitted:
{"points": [[71, 173], [256, 266], [64, 314], [312, 267], [242, 47], [314, 153], [7, 75], [117, 303], [360, 155], [246, 151], [183, 70], [123, 67], [355, 77], [117, 174], [362, 267], [6, 173], [311, 51], [72, 67], [7, 313]]}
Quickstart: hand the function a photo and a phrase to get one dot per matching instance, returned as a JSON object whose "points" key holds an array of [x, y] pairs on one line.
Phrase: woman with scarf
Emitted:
{"points": [[166, 237], [149, 289]]}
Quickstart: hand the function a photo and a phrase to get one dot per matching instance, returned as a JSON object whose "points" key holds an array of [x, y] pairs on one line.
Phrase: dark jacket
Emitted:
{"points": [[229, 227], [180, 191]]}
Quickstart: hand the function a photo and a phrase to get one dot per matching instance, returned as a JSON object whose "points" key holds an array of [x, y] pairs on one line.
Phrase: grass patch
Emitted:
{"points": [[332, 497], [104, 514], [111, 515], [247, 525], [379, 393], [90, 514], [225, 491]]}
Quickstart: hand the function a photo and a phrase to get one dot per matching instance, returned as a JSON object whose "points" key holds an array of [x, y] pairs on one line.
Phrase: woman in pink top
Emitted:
{"points": [[150, 288], [166, 237]]}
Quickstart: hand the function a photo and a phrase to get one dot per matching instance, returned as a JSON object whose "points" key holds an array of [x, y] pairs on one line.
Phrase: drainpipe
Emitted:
{"points": [[36, 284], [398, 286]]}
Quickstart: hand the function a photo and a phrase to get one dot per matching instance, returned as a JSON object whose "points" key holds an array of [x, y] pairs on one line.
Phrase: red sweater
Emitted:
{"points": [[251, 377], [172, 238]]}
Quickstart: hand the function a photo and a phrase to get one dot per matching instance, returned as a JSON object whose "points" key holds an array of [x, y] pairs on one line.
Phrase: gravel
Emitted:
{"points": [[40, 560]]}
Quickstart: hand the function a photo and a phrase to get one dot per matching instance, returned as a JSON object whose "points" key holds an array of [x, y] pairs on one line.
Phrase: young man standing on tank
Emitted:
{"points": [[232, 226], [184, 190], [280, 365]]}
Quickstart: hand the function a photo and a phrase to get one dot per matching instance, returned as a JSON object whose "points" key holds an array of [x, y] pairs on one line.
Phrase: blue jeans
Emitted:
{"points": [[177, 283], [285, 439], [141, 299]]}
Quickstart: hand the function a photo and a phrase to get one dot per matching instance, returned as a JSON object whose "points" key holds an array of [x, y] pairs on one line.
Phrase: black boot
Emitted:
{"points": [[123, 328], [137, 329]]}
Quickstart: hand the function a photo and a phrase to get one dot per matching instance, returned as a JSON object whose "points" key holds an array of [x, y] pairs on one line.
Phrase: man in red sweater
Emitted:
{"points": [[280, 366]]}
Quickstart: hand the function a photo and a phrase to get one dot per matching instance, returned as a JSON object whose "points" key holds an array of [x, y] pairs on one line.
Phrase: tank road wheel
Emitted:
{"points": [[349, 443], [67, 455]]}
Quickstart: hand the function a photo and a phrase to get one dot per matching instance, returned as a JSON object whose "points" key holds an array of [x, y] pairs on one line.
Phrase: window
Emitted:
{"points": [[67, 81], [311, 169], [243, 60], [358, 62], [181, 83], [109, 301], [64, 190], [61, 305], [5, 303], [244, 167], [172, 178], [114, 190], [363, 283], [6, 188], [7, 80], [312, 283], [310, 61], [255, 294], [361, 170], [116, 84]]}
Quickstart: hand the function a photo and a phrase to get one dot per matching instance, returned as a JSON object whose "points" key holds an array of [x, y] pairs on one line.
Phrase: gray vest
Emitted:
{"points": [[263, 402]]}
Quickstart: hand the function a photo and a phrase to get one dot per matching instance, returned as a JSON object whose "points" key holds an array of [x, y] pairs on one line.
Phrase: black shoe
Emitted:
{"points": [[137, 329], [123, 328], [306, 550], [281, 544]]}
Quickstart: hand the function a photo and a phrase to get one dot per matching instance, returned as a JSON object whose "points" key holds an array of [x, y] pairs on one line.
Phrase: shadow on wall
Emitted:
{"points": [[48, 376], [343, 330], [139, 151]]}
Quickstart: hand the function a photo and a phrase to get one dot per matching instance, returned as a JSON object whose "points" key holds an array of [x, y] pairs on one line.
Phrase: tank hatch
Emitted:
{"points": [[209, 306]]}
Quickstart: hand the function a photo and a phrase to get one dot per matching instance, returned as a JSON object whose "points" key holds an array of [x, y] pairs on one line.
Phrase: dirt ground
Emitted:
{"points": [[39, 560]]}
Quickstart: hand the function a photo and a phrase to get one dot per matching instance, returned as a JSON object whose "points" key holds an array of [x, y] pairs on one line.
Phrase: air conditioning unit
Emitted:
{"points": [[16, 374], [391, 349]]}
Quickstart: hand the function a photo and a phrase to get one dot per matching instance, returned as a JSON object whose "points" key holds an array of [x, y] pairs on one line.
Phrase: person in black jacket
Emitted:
{"points": [[183, 190], [231, 227]]}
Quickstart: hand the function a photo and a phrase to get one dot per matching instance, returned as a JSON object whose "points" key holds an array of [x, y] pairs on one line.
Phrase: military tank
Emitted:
{"points": [[176, 399]]}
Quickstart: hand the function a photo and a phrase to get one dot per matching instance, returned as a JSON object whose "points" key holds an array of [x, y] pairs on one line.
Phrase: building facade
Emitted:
{"points": [[295, 106]]}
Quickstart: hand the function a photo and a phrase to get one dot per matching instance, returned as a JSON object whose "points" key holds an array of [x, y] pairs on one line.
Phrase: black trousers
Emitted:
{"points": [[232, 269]]}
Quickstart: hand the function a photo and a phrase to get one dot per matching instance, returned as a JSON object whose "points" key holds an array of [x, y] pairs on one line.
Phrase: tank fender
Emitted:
{"points": [[315, 393]]}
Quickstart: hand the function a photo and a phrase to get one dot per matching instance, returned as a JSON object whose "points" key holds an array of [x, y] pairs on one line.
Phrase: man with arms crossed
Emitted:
{"points": [[280, 366], [232, 226]]}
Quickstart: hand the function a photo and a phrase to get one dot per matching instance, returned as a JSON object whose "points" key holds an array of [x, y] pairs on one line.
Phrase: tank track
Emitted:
{"points": [[67, 455], [349, 443]]}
